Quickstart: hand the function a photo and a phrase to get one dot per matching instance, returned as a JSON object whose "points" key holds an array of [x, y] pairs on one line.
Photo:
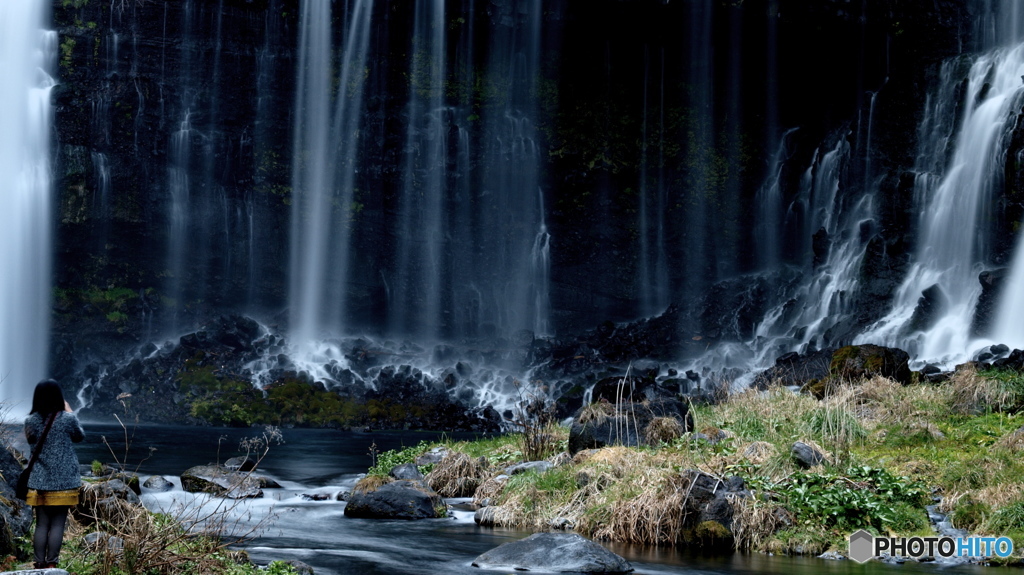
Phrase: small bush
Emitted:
{"points": [[663, 430], [385, 461], [969, 515], [457, 475]]}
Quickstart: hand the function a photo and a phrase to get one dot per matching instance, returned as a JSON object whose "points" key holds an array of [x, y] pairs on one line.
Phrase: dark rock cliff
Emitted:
{"points": [[662, 110]]}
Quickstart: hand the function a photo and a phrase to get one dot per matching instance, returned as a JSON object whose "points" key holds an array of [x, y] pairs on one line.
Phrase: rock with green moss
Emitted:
{"points": [[857, 362]]}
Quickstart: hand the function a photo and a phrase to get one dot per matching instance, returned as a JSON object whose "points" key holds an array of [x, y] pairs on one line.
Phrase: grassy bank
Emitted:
{"points": [[891, 449]]}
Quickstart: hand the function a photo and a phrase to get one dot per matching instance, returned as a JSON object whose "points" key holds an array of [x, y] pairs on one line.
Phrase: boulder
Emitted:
{"points": [[623, 426], [707, 510], [807, 455], [10, 467], [300, 567], [110, 500], [553, 552], [15, 515], [158, 483], [220, 481], [407, 471], [538, 466], [98, 539], [396, 500], [240, 463], [1013, 361], [795, 369], [433, 456], [855, 362]]}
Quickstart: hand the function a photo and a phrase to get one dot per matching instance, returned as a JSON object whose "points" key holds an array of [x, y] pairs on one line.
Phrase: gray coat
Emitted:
{"points": [[57, 466]]}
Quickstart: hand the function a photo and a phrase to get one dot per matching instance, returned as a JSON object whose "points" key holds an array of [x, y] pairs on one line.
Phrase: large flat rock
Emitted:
{"points": [[396, 500], [553, 552]]}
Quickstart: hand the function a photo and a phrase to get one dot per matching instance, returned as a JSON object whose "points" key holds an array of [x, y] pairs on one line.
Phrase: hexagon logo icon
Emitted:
{"points": [[862, 546]]}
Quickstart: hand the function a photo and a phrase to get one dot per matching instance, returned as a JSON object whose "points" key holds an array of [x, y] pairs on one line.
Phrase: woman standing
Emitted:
{"points": [[55, 480]]}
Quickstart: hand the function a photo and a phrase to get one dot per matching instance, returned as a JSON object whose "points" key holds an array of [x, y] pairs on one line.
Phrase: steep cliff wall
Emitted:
{"points": [[655, 124]]}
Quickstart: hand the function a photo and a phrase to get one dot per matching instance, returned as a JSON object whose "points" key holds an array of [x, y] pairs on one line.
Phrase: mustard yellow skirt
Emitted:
{"points": [[66, 497]]}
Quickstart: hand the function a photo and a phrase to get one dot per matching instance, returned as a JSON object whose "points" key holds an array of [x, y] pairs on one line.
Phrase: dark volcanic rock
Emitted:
{"points": [[158, 483], [855, 362], [627, 427], [396, 500], [407, 471], [795, 369], [806, 455], [553, 552]]}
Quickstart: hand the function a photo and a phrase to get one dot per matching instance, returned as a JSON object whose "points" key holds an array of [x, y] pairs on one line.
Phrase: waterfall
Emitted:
{"points": [[540, 259], [27, 54], [180, 189], [323, 167], [420, 288], [935, 305], [472, 252], [770, 210], [653, 269]]}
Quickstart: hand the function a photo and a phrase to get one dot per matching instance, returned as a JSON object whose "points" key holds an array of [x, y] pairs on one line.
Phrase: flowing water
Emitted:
{"points": [[318, 533], [955, 200], [27, 56]]}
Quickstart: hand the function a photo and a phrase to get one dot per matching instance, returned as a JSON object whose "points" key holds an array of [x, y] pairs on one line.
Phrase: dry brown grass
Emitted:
{"points": [[371, 483], [759, 452], [754, 522], [457, 475], [1001, 495], [489, 489], [597, 412], [654, 516], [621, 460], [663, 430], [972, 394], [1013, 441]]}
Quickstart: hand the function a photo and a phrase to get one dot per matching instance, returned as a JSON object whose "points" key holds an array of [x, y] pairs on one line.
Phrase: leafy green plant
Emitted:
{"points": [[863, 497], [386, 460]]}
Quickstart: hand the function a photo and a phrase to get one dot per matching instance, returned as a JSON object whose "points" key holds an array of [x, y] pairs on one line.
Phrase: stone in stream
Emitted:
{"points": [[553, 552], [396, 500], [158, 483], [221, 482]]}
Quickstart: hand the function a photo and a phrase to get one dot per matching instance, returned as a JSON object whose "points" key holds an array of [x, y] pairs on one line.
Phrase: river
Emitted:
{"points": [[318, 533]]}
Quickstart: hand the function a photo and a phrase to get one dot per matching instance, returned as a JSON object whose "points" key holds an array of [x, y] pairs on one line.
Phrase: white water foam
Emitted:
{"points": [[955, 208]]}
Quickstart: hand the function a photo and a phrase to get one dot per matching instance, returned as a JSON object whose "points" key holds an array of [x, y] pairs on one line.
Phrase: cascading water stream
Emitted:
{"points": [[770, 209], [809, 308], [935, 305], [324, 162], [27, 55], [420, 284]]}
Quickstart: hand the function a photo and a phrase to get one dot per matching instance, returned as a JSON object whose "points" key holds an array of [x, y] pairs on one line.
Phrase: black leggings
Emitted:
{"points": [[50, 520]]}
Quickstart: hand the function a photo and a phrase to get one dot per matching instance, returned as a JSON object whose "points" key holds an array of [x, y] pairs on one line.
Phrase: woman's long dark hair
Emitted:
{"points": [[48, 398]]}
